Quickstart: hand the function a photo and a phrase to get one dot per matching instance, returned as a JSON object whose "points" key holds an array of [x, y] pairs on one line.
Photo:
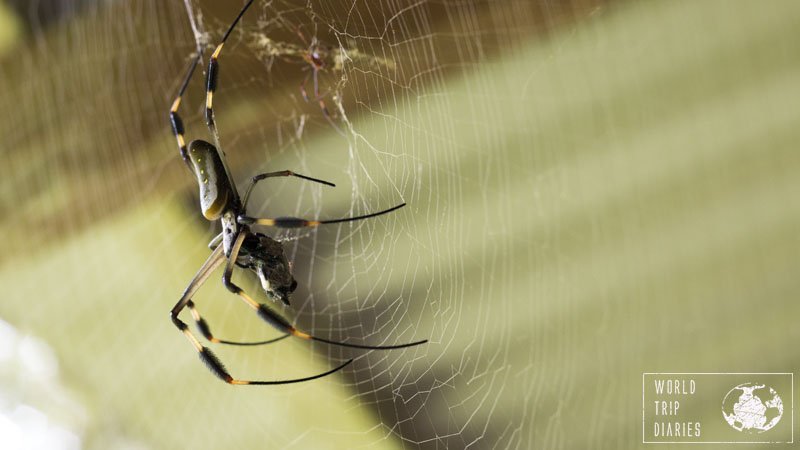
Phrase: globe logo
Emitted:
{"points": [[752, 408]]}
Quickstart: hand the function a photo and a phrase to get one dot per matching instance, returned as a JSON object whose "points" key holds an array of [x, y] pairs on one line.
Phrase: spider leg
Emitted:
{"points": [[205, 330], [315, 72], [296, 222], [303, 87], [213, 73], [318, 98], [215, 241], [327, 115], [270, 316], [282, 173], [174, 118], [214, 260], [215, 365], [316, 83], [273, 318], [210, 359]]}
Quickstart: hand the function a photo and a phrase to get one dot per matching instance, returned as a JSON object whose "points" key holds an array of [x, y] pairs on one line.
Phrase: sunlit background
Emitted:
{"points": [[595, 190]]}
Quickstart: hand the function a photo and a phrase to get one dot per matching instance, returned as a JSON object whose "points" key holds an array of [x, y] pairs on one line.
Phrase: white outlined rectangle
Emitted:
{"points": [[683, 376]]}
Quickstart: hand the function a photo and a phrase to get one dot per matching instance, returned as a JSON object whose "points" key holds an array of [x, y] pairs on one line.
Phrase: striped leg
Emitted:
{"points": [[174, 118], [205, 330], [296, 222], [213, 74]]}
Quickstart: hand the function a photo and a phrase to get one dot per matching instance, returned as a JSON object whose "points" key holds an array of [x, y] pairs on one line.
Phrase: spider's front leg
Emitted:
{"points": [[213, 73], [174, 118]]}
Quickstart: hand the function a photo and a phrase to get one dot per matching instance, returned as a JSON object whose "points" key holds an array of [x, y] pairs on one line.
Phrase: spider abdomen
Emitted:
{"points": [[216, 191]]}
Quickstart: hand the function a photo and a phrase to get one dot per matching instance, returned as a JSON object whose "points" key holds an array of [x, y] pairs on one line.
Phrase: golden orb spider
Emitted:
{"points": [[237, 244]]}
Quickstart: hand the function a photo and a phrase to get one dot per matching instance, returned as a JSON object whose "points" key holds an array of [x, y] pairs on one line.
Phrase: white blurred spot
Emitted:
{"points": [[27, 428], [29, 376], [8, 341], [38, 358]]}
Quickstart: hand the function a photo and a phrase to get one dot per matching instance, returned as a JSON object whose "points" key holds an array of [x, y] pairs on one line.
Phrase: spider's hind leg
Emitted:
{"points": [[206, 355], [205, 330]]}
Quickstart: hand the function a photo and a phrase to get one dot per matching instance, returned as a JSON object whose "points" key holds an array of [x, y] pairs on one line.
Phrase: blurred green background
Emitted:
{"points": [[595, 190]]}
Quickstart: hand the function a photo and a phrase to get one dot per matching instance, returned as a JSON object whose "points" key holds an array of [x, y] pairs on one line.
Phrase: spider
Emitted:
{"points": [[314, 56], [237, 244]]}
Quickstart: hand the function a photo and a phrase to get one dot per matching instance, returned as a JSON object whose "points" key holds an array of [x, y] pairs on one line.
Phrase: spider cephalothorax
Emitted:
{"points": [[237, 245]]}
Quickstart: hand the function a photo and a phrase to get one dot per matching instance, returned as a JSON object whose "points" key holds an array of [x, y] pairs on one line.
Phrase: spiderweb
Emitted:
{"points": [[583, 205]]}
